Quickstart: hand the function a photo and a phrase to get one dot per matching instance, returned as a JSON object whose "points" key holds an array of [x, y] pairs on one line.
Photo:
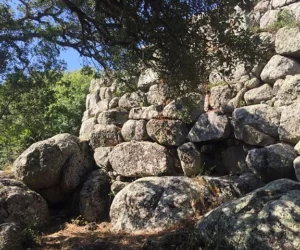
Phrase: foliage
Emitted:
{"points": [[181, 39], [38, 106]]}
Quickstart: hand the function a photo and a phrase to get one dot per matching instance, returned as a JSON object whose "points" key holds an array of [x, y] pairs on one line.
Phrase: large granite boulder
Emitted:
{"points": [[272, 162], [187, 108], [11, 236], [258, 95], [289, 128], [101, 156], [159, 203], [147, 78], [105, 136], [157, 94], [138, 159], [288, 92], [210, 126], [145, 113], [287, 42], [135, 130], [167, 132], [256, 124], [94, 197], [280, 3], [191, 159], [269, 18], [113, 116], [267, 218], [279, 67], [297, 167], [42, 164], [20, 205], [86, 129], [221, 95], [132, 100]]}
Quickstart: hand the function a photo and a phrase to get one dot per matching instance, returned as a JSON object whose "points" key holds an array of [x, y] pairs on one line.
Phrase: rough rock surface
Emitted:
{"points": [[47, 158], [289, 128], [286, 42], [167, 132], [105, 136], [269, 18], [157, 203], [117, 186], [288, 92], [113, 116], [233, 159], [93, 198], [187, 108], [297, 167], [297, 147], [145, 113], [138, 159], [272, 162], [258, 95], [256, 124], [23, 206], [101, 156], [210, 126], [249, 182], [220, 96], [147, 78], [10, 237], [86, 129], [190, 159], [264, 219], [157, 94], [135, 130], [132, 100], [279, 67]]}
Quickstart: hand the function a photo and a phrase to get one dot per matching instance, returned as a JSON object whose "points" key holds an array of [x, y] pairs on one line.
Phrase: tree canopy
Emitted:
{"points": [[183, 40]]}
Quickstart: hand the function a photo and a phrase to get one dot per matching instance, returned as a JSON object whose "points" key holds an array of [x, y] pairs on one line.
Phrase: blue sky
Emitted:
{"points": [[72, 58]]}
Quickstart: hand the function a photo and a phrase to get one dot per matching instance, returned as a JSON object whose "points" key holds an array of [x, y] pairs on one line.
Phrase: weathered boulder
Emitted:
{"points": [[138, 159], [249, 182], [272, 162], [210, 126], [288, 92], [46, 158], [297, 167], [23, 206], [190, 159], [289, 128], [132, 100], [252, 83], [233, 159], [297, 147], [10, 236], [258, 95], [220, 96], [117, 186], [116, 117], [105, 136], [101, 156], [279, 67], [286, 42], [135, 130], [158, 203], [86, 129], [147, 78], [167, 132], [113, 103], [187, 108], [264, 219], [91, 102], [145, 113], [280, 3], [256, 124], [277, 85], [269, 18], [157, 94], [94, 198]]}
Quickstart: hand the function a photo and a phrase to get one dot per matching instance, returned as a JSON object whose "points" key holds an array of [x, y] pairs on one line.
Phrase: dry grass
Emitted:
{"points": [[69, 236]]}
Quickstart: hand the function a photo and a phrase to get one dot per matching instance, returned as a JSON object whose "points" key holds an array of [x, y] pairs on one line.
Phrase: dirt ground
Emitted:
{"points": [[71, 236]]}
